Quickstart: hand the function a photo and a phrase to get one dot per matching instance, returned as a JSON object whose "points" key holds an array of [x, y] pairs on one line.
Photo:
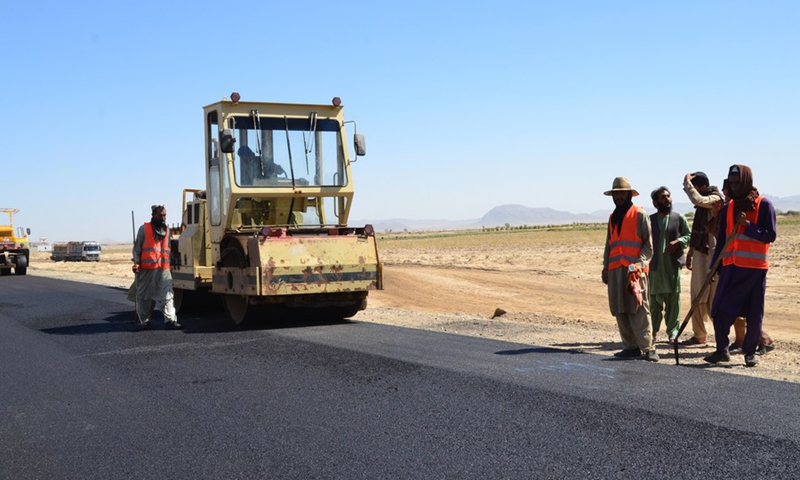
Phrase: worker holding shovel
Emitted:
{"points": [[749, 221], [707, 201]]}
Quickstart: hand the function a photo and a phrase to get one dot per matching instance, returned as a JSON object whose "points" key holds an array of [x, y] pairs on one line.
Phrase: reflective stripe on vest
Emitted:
{"points": [[155, 255], [745, 251], [625, 245]]}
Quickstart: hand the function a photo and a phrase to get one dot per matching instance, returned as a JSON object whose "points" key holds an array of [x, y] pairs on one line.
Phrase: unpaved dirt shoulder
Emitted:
{"points": [[551, 293], [783, 364], [415, 298]]}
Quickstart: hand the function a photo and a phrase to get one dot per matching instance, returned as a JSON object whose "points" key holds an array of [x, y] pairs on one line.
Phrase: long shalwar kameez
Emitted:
{"points": [[740, 291], [153, 287], [665, 279], [633, 320], [701, 262]]}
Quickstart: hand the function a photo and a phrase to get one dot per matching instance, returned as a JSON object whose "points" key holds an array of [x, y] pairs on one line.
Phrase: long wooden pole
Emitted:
{"points": [[696, 300]]}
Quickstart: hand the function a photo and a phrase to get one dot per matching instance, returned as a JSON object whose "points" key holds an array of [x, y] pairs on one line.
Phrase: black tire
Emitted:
{"points": [[342, 313], [22, 265], [346, 311], [178, 299], [233, 257], [237, 307], [328, 314]]}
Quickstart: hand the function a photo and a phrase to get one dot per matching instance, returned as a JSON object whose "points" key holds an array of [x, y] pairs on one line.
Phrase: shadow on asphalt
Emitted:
{"points": [[600, 346], [525, 351], [117, 322], [666, 352], [218, 323], [125, 321]]}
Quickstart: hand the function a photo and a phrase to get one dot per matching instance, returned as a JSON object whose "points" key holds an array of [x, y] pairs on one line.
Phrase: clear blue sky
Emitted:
{"points": [[465, 105]]}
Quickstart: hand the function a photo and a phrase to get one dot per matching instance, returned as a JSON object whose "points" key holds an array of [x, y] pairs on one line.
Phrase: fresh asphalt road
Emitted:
{"points": [[85, 396]]}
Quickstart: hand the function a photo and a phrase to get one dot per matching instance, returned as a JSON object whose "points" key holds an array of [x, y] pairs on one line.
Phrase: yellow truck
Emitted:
{"points": [[269, 234], [14, 245]]}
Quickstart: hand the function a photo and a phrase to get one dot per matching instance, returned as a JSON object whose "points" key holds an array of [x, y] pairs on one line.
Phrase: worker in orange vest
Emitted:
{"points": [[627, 254], [153, 284], [750, 218]]}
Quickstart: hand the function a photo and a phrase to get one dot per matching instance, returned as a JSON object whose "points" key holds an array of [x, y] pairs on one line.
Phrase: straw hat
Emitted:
{"points": [[621, 184]]}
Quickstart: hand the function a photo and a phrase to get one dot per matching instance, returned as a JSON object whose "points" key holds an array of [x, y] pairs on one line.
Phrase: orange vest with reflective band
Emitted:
{"points": [[626, 245], [155, 255], [744, 251]]}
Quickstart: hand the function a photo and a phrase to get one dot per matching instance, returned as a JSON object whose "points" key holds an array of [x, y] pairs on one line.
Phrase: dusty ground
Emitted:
{"points": [[547, 280]]}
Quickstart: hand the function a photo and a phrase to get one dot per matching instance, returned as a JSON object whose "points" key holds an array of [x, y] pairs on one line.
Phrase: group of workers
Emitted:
{"points": [[726, 249]]}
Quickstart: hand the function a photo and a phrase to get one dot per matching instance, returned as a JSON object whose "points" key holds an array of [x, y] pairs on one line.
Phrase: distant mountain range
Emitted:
{"points": [[516, 215]]}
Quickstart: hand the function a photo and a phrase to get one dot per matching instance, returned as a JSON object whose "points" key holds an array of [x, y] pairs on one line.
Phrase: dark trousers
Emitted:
{"points": [[740, 293]]}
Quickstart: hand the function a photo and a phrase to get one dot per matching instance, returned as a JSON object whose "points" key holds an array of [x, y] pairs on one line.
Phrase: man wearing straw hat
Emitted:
{"points": [[627, 254]]}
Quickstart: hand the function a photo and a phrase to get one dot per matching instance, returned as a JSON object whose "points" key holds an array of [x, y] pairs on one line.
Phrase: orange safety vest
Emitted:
{"points": [[155, 255], [626, 244], [744, 251]]}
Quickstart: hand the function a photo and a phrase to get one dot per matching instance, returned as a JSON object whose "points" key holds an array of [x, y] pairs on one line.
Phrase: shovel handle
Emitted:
{"points": [[707, 284]]}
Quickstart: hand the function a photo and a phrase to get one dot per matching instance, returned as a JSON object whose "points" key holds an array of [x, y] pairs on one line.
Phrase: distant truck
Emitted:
{"points": [[14, 246], [85, 251]]}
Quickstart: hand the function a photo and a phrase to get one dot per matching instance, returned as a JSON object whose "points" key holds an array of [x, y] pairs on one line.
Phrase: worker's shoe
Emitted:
{"points": [[717, 357], [693, 341], [735, 349], [765, 349], [173, 326], [145, 325], [628, 353], [750, 360], [651, 356]]}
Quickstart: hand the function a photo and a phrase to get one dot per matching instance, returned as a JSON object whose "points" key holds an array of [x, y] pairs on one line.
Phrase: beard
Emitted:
{"points": [[159, 228], [622, 206], [665, 209]]}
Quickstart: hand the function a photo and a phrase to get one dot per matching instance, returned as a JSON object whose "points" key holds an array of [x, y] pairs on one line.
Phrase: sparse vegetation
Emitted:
{"points": [[573, 233], [529, 235]]}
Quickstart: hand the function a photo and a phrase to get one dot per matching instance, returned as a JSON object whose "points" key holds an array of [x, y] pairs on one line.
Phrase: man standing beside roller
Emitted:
{"points": [[151, 265]]}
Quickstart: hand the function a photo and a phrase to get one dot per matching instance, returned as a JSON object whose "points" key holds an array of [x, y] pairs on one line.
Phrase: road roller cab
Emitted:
{"points": [[271, 227]]}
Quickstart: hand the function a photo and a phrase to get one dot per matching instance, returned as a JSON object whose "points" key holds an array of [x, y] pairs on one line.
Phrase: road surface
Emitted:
{"points": [[84, 395]]}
